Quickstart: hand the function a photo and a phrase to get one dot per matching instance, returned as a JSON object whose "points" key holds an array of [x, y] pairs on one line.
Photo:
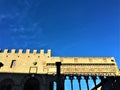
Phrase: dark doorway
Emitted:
{"points": [[6, 84], [31, 84]]}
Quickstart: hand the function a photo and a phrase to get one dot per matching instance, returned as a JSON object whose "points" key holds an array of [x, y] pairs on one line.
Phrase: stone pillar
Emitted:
{"points": [[62, 83], [79, 82], [86, 79], [47, 82], [71, 79], [94, 80], [51, 86], [17, 87]]}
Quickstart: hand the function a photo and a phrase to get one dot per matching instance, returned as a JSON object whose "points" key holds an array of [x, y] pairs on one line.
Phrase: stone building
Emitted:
{"points": [[37, 70]]}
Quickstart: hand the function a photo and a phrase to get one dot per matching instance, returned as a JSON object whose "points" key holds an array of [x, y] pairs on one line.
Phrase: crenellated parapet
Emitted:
{"points": [[20, 51], [39, 62]]}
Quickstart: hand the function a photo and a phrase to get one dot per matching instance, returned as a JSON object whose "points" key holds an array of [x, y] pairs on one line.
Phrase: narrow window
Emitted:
{"points": [[13, 63], [1, 64]]}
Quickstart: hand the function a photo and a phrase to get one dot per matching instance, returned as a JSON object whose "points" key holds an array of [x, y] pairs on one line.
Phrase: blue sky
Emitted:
{"points": [[68, 27]]}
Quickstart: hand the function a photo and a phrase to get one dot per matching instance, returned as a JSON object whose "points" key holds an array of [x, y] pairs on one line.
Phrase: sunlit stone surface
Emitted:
{"points": [[37, 71]]}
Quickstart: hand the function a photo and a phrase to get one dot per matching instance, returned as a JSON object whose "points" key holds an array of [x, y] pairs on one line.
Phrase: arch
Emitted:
{"points": [[31, 84], [6, 84]]}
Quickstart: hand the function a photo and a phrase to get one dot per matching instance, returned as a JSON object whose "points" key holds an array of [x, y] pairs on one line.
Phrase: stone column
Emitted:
{"points": [[79, 82], [17, 87], [86, 79], [71, 79], [62, 83]]}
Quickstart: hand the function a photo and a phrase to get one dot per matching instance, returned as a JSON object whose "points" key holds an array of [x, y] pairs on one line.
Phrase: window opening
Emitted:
{"points": [[13, 63]]}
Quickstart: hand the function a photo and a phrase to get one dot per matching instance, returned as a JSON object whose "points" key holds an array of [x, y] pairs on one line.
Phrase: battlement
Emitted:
{"points": [[20, 51], [43, 63]]}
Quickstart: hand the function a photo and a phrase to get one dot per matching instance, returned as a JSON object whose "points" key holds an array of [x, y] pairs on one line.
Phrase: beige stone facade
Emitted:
{"points": [[37, 71], [44, 63]]}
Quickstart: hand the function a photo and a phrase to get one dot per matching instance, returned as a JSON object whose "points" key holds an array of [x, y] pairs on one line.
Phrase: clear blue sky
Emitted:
{"points": [[68, 27]]}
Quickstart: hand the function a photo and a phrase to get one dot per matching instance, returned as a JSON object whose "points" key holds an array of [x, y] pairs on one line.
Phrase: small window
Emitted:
{"points": [[34, 63], [13, 63], [112, 60], [1, 64]]}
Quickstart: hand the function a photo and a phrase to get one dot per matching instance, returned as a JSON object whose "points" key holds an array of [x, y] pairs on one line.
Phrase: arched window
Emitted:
{"points": [[6, 84]]}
